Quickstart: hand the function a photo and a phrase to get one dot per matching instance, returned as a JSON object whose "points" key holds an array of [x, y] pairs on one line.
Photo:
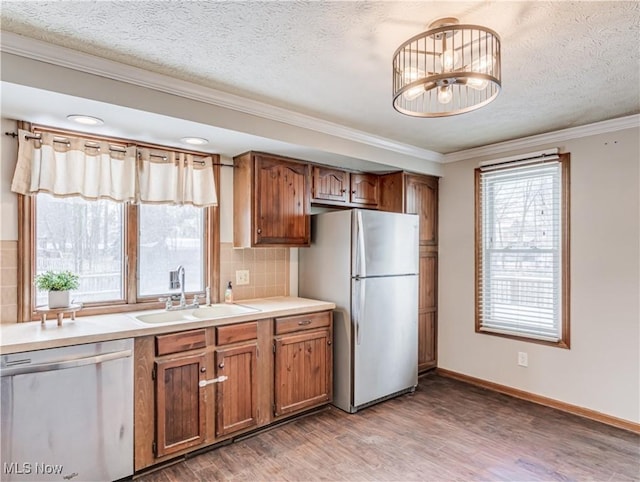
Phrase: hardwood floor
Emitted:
{"points": [[447, 430]]}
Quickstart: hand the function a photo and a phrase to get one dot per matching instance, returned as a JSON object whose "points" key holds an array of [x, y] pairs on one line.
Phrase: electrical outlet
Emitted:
{"points": [[242, 277], [523, 359]]}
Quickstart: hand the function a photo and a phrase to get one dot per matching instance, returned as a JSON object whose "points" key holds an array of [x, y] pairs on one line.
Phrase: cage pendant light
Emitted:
{"points": [[450, 69]]}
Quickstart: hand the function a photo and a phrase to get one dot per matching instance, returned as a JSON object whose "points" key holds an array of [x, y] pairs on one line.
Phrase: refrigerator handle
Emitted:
{"points": [[361, 259], [360, 309]]}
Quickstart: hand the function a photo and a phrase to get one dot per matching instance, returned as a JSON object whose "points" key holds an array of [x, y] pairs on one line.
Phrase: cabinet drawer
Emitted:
{"points": [[289, 324], [235, 333], [177, 342]]}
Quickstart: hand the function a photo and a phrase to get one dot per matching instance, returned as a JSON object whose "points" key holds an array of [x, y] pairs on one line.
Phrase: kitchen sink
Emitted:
{"points": [[222, 309], [197, 314], [167, 317]]}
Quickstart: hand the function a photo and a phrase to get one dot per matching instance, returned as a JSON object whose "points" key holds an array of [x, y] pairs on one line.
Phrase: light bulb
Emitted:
{"points": [[478, 84], [444, 94], [411, 75], [413, 92], [483, 64], [449, 59]]}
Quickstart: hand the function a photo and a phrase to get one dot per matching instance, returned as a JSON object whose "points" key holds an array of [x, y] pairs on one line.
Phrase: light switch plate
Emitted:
{"points": [[242, 277]]}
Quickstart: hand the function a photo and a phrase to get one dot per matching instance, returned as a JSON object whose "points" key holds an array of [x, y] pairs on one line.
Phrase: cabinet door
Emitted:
{"points": [[303, 371], [237, 400], [282, 202], [391, 192], [365, 189], [180, 416], [427, 309], [330, 185], [422, 199]]}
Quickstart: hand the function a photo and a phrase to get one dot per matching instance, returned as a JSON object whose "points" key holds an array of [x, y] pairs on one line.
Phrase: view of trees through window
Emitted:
{"points": [[85, 237], [88, 238], [521, 249], [170, 236]]}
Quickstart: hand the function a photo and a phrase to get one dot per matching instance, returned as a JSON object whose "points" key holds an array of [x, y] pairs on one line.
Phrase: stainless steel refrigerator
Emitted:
{"points": [[366, 262]]}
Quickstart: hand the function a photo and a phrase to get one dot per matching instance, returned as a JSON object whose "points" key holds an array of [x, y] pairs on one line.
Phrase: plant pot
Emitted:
{"points": [[58, 299]]}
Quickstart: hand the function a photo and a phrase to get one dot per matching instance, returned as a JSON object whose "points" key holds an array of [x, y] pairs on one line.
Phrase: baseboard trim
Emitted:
{"points": [[547, 402]]}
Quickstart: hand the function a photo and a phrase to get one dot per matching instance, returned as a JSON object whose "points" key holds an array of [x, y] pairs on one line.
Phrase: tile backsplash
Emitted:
{"points": [[8, 281], [268, 274], [268, 271]]}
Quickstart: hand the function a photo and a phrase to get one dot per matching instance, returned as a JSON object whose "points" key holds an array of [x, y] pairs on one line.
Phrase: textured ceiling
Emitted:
{"points": [[565, 64]]}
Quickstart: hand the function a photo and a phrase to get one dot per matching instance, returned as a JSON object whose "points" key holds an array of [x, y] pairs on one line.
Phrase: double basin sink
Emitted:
{"points": [[210, 312]]}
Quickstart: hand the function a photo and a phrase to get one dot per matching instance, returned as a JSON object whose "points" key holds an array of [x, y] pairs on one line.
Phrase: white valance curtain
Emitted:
{"points": [[76, 166], [175, 177]]}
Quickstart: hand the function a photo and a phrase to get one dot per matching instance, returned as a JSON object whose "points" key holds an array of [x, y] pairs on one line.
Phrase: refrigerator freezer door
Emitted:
{"points": [[385, 324], [384, 243]]}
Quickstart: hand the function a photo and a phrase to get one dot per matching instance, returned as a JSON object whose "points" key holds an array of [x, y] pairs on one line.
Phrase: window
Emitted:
{"points": [[170, 236], [98, 240], [121, 250], [85, 237], [522, 254]]}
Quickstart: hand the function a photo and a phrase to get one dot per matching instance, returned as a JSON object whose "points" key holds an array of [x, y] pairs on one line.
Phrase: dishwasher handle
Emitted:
{"points": [[62, 365]]}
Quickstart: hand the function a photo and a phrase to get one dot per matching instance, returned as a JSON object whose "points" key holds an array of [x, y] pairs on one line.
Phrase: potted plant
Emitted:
{"points": [[58, 284]]}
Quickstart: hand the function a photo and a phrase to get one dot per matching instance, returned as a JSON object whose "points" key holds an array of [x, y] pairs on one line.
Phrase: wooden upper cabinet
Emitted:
{"points": [[421, 198], [365, 189], [392, 192], [330, 185], [272, 201]]}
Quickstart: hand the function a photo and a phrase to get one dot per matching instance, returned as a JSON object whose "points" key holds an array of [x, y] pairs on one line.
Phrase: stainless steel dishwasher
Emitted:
{"points": [[67, 413]]}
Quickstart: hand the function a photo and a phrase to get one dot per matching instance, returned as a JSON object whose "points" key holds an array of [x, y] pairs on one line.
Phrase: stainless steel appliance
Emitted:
{"points": [[67, 413], [366, 262]]}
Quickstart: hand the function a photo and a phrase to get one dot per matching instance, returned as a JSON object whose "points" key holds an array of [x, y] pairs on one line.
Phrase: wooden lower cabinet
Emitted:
{"points": [[426, 341], [180, 417], [427, 309], [199, 387], [302, 371], [237, 396], [303, 363]]}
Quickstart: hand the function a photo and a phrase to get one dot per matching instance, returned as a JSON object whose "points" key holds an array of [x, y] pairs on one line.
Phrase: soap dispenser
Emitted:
{"points": [[228, 294]]}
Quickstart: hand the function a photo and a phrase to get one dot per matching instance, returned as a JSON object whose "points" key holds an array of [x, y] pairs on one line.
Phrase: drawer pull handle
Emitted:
{"points": [[221, 365], [304, 322], [204, 383]]}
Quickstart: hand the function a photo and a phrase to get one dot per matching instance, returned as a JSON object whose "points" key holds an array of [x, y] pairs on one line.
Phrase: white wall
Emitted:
{"points": [[8, 200], [601, 371]]}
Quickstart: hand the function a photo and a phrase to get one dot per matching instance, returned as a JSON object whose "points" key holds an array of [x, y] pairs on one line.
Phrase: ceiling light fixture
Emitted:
{"points": [[86, 120], [195, 141], [449, 69]]}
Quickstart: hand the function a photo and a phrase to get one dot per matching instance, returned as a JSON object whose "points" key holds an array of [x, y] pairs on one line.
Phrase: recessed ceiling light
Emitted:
{"points": [[86, 120], [195, 141]]}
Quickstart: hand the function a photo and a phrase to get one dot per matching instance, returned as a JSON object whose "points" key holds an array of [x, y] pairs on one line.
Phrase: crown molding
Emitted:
{"points": [[602, 127], [64, 57]]}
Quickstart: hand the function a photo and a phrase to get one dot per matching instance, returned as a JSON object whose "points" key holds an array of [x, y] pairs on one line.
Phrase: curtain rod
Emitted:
{"points": [[108, 139]]}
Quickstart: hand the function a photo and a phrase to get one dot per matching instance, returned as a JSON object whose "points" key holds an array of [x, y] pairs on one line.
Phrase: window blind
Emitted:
{"points": [[520, 266]]}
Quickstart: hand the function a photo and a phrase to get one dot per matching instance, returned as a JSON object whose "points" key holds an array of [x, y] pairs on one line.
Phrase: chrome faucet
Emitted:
{"points": [[176, 280]]}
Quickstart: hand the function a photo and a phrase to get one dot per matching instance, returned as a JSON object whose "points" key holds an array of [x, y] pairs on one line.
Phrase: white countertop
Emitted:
{"points": [[18, 337]]}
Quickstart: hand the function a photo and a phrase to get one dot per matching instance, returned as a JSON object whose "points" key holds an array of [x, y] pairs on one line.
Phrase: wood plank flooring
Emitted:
{"points": [[447, 430]]}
